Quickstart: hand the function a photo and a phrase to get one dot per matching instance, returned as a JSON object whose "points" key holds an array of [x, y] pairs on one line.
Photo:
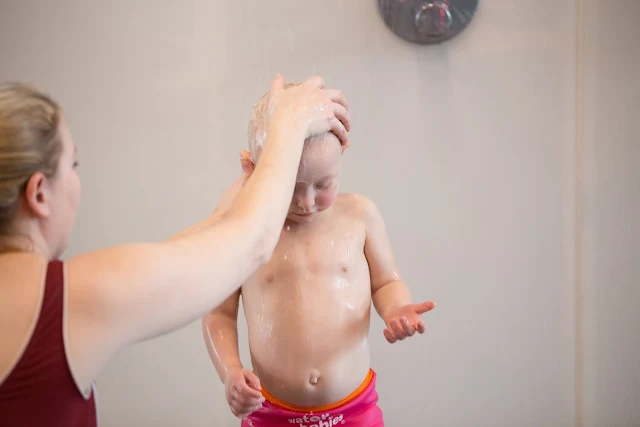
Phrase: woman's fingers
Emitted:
{"points": [[337, 127], [337, 97], [341, 113], [315, 81], [277, 84]]}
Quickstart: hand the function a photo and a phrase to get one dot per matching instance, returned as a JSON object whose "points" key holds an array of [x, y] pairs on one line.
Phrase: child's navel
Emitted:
{"points": [[314, 377]]}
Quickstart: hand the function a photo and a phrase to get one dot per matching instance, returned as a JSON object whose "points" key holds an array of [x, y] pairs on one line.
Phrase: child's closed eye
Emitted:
{"points": [[323, 185]]}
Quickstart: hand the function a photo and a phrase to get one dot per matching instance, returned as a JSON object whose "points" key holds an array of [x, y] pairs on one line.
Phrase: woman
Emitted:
{"points": [[62, 322]]}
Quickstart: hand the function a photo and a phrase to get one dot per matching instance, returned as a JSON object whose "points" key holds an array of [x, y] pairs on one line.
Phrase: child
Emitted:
{"points": [[308, 308]]}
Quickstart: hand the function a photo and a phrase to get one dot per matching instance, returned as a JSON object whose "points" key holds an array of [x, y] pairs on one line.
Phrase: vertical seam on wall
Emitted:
{"points": [[578, 189]]}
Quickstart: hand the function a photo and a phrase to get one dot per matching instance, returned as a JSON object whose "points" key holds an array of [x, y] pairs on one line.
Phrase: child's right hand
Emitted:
{"points": [[243, 392]]}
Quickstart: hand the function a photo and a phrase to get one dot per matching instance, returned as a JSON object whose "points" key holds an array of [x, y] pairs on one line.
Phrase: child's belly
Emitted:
{"points": [[309, 345], [309, 382]]}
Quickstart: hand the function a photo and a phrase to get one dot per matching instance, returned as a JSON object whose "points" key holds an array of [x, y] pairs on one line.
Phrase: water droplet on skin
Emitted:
{"points": [[286, 257], [340, 283], [288, 228]]}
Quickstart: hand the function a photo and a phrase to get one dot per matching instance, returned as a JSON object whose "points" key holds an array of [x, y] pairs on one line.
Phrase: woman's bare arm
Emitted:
{"points": [[135, 292]]}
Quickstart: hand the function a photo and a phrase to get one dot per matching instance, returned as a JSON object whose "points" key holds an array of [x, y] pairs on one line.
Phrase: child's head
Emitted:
{"points": [[319, 172]]}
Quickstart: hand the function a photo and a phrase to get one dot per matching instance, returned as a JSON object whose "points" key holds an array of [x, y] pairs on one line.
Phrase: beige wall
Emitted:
{"points": [[611, 214], [468, 148]]}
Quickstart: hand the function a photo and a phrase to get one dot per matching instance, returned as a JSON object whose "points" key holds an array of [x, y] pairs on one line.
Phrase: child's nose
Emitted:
{"points": [[306, 201]]}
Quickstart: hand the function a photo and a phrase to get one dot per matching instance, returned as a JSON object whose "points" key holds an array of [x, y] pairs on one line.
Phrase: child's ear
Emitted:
{"points": [[245, 163]]}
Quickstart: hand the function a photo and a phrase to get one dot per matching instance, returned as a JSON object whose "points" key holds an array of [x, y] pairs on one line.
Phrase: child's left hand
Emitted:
{"points": [[405, 321]]}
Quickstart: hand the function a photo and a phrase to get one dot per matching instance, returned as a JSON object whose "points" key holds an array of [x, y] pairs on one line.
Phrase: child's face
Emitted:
{"points": [[318, 178]]}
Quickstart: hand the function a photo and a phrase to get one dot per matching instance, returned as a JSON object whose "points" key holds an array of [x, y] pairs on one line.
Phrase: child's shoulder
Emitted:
{"points": [[353, 199], [357, 203]]}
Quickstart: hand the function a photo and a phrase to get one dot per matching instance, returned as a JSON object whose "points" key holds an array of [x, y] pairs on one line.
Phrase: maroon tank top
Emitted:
{"points": [[40, 390]]}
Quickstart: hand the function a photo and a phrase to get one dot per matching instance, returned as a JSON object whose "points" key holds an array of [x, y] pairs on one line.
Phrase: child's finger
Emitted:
{"points": [[406, 327], [248, 392], [389, 335], [425, 306], [397, 330], [253, 381]]}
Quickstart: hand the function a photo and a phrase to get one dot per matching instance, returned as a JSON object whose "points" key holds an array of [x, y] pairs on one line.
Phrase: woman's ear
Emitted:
{"points": [[37, 196]]}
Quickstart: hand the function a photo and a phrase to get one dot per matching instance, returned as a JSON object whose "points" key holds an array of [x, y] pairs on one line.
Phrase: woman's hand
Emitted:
{"points": [[311, 106]]}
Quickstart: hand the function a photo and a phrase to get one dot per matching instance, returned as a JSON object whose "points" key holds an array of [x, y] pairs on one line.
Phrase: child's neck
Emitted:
{"points": [[291, 225]]}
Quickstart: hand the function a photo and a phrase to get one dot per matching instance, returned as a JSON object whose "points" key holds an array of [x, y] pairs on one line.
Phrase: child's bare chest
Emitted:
{"points": [[317, 273], [325, 255]]}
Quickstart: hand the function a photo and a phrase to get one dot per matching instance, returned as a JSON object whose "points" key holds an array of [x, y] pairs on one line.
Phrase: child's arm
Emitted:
{"points": [[391, 297], [387, 288], [220, 330]]}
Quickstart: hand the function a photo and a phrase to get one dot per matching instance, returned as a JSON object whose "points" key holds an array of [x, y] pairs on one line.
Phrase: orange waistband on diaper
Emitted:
{"points": [[268, 396]]}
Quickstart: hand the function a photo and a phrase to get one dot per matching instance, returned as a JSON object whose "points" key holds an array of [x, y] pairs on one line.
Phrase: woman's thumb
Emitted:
{"points": [[278, 83]]}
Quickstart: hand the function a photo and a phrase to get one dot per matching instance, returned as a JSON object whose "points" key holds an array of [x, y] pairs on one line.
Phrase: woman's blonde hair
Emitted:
{"points": [[29, 122]]}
